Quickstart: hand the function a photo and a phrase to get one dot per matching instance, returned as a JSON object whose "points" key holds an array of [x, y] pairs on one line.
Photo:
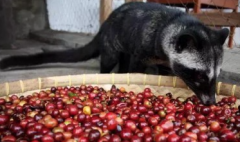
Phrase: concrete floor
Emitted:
{"points": [[52, 40], [26, 47]]}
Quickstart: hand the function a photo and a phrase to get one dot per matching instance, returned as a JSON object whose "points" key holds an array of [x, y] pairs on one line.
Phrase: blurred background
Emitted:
{"points": [[31, 26]]}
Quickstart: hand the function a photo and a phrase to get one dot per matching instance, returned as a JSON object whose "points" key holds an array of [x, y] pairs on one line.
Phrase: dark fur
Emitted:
{"points": [[132, 29], [133, 36]]}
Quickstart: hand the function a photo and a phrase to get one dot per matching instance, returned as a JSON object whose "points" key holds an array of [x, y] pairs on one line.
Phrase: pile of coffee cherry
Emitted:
{"points": [[92, 114]]}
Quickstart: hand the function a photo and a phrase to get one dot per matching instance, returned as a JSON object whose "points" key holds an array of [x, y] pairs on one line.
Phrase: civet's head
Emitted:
{"points": [[195, 55]]}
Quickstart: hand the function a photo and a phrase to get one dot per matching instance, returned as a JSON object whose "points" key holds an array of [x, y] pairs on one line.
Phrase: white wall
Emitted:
{"points": [[76, 15], [237, 34], [83, 16], [237, 37]]}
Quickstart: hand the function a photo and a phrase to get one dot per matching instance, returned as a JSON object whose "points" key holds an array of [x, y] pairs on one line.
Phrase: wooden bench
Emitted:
{"points": [[210, 19]]}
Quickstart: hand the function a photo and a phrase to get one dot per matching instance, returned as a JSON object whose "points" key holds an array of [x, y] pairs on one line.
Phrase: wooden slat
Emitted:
{"points": [[105, 9], [225, 4], [219, 19], [232, 4], [172, 1], [133, 1]]}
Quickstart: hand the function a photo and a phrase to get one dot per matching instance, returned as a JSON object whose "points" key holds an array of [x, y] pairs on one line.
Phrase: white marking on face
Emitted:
{"points": [[218, 69], [189, 59], [169, 32], [211, 73], [219, 66], [215, 71]]}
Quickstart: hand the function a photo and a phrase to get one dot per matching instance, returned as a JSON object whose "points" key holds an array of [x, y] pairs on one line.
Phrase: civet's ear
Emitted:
{"points": [[184, 41], [223, 34]]}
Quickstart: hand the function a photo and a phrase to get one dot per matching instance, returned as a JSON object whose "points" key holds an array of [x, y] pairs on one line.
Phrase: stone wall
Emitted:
{"points": [[29, 15], [7, 35]]}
